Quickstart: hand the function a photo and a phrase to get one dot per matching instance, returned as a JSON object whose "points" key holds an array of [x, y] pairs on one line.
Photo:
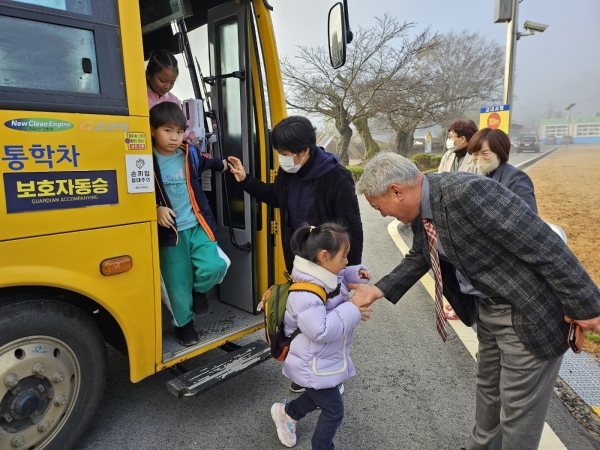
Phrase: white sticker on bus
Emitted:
{"points": [[140, 174]]}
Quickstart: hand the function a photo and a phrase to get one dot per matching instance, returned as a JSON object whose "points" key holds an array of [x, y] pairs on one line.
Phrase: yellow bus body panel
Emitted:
{"points": [[49, 242], [133, 58], [100, 142], [71, 261], [62, 246]]}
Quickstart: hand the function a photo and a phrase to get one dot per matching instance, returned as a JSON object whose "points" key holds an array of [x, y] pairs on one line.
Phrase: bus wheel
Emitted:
{"points": [[52, 372]]}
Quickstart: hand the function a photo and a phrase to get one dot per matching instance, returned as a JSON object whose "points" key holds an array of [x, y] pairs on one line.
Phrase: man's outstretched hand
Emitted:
{"points": [[364, 295]]}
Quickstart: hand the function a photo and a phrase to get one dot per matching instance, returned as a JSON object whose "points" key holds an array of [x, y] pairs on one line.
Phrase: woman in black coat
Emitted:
{"points": [[311, 187]]}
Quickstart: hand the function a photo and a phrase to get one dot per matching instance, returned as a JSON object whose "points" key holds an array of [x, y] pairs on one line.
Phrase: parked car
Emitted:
{"points": [[528, 144], [550, 140], [566, 139]]}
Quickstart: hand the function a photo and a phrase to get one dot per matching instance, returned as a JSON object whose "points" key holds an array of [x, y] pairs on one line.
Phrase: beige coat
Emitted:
{"points": [[467, 164]]}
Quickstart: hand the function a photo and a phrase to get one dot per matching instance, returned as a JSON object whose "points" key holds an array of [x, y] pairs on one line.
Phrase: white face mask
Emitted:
{"points": [[487, 166], [287, 163], [450, 144]]}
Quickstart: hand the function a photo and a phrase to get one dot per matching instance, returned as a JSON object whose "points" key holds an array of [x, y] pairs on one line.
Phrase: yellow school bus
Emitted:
{"points": [[78, 233]]}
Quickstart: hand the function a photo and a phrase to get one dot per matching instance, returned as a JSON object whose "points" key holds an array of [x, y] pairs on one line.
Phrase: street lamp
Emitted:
{"points": [[508, 11], [568, 108]]}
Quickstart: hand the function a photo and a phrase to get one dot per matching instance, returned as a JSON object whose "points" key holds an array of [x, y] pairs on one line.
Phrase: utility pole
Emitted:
{"points": [[512, 35], [508, 11]]}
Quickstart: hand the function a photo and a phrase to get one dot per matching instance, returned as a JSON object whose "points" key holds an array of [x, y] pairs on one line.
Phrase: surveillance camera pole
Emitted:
{"points": [[512, 35]]}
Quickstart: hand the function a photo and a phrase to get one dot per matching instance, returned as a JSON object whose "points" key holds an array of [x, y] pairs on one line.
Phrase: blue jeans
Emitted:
{"points": [[332, 412]]}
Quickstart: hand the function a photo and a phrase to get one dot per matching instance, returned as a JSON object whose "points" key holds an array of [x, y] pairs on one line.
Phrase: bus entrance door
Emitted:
{"points": [[238, 218]]}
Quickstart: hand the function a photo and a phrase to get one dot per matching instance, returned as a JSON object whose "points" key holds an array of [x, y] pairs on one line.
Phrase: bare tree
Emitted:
{"points": [[410, 102], [466, 69], [445, 83], [348, 95]]}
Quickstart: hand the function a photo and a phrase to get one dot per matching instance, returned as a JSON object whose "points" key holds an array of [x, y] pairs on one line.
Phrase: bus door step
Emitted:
{"points": [[205, 377]]}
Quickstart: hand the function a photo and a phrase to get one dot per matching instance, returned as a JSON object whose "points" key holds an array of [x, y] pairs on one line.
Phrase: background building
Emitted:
{"points": [[583, 130]]}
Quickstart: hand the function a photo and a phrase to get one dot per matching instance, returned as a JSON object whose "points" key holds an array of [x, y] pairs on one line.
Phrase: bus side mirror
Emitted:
{"points": [[337, 36]]}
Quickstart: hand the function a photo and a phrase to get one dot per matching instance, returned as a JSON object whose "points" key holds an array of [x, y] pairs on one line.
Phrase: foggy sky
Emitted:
{"points": [[557, 67]]}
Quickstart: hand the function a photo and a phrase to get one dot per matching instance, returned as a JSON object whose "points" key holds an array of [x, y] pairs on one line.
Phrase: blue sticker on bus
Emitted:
{"points": [[42, 191]]}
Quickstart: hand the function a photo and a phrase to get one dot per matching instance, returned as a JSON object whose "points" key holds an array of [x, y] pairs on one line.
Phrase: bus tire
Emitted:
{"points": [[52, 373]]}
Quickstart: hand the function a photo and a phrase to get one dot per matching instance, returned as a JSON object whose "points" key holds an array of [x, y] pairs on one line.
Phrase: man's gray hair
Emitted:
{"points": [[384, 169]]}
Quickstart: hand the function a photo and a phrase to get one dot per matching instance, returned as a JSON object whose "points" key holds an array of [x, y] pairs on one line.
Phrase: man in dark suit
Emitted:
{"points": [[503, 268]]}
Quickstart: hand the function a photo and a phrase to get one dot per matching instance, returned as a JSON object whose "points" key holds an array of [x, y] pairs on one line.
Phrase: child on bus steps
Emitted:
{"points": [[191, 261], [319, 356], [161, 74]]}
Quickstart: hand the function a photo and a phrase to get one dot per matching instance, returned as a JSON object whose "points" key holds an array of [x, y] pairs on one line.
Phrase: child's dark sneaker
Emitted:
{"points": [[187, 334], [200, 303]]}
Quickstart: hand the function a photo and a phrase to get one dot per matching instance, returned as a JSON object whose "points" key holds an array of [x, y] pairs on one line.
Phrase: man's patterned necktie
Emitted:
{"points": [[440, 320]]}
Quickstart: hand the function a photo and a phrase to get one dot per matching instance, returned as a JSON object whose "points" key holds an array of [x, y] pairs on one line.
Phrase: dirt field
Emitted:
{"points": [[567, 190]]}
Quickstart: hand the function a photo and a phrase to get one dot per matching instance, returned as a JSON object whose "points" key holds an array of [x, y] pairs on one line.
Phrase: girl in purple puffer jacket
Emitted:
{"points": [[319, 357]]}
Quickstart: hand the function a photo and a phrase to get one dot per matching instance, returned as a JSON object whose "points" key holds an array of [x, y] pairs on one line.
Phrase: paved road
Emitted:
{"points": [[517, 158], [411, 392]]}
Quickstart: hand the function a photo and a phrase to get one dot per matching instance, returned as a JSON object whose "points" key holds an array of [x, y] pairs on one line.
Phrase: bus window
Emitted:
{"points": [[75, 6], [229, 61], [80, 60], [61, 61]]}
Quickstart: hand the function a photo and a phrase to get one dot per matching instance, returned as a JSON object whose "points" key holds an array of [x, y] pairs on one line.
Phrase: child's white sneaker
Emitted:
{"points": [[286, 426]]}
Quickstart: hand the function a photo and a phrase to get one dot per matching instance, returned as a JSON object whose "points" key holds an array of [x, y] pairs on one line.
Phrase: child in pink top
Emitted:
{"points": [[161, 73]]}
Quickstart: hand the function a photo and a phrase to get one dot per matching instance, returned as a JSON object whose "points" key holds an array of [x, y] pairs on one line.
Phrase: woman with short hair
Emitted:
{"points": [[311, 187], [489, 150]]}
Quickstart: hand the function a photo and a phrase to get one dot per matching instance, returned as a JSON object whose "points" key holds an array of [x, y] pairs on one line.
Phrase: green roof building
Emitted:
{"points": [[583, 130]]}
